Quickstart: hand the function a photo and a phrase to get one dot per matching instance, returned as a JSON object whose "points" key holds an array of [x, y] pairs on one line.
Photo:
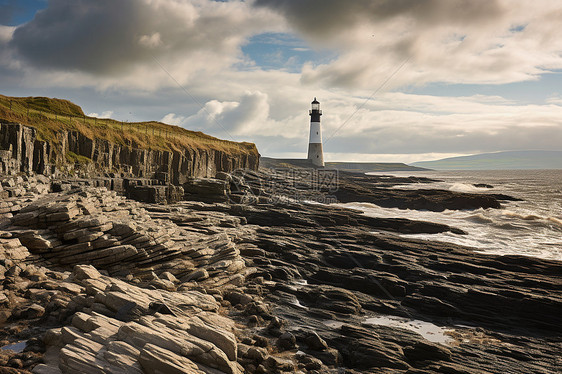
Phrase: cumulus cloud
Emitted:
{"points": [[440, 124], [6, 33], [106, 114], [182, 61], [556, 99], [114, 38], [173, 119], [151, 41], [328, 18], [460, 41], [248, 116]]}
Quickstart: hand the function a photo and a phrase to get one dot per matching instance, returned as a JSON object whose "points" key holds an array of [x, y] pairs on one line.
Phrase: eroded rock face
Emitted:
{"points": [[197, 287], [168, 323], [22, 152], [117, 330], [99, 227]]}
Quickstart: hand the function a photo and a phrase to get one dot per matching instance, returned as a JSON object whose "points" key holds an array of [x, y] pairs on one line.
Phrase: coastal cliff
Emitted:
{"points": [[22, 151], [50, 136]]}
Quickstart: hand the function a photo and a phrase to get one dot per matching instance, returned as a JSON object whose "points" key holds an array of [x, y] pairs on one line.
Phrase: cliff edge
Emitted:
{"points": [[50, 136]]}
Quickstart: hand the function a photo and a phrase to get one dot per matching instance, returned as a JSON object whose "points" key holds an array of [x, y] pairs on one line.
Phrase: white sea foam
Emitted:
{"points": [[464, 187], [531, 227]]}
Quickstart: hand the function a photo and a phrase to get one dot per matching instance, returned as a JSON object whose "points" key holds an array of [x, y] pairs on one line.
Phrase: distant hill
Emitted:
{"points": [[498, 161], [359, 167], [365, 167]]}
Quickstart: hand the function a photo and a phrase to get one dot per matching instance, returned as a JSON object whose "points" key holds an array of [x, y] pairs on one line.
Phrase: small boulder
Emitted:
{"points": [[81, 272], [315, 342], [168, 276], [287, 341], [279, 364], [28, 312], [256, 354]]}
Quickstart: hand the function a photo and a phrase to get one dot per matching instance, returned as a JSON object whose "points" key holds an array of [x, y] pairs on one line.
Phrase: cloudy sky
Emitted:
{"points": [[398, 80]]}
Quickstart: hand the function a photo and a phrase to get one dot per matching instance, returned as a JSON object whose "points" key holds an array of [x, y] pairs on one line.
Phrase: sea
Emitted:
{"points": [[531, 227]]}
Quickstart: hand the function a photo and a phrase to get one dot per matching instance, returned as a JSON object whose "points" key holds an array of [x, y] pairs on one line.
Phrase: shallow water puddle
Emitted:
{"points": [[297, 303], [333, 324], [17, 347], [428, 330]]}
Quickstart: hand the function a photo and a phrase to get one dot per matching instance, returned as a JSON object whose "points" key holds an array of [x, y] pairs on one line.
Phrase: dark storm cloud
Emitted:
{"points": [[446, 40], [112, 36], [93, 36], [325, 17]]}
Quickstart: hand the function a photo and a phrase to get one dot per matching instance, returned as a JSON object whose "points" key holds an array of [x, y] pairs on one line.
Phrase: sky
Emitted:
{"points": [[398, 80]]}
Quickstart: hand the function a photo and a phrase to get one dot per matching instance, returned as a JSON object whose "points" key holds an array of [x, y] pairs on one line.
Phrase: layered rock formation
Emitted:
{"points": [[21, 151], [95, 282]]}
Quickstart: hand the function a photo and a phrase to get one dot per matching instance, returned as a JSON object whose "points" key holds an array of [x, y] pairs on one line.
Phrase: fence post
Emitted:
{"points": [[10, 104]]}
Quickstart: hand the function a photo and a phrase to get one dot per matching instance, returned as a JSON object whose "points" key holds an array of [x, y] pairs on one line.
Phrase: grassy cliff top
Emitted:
{"points": [[50, 116]]}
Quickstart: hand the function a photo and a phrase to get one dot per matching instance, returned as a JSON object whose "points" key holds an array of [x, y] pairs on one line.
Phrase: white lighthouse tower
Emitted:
{"points": [[315, 154]]}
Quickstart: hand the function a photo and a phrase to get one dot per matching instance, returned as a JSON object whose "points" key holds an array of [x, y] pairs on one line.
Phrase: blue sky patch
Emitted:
{"points": [[273, 51], [16, 12], [530, 92]]}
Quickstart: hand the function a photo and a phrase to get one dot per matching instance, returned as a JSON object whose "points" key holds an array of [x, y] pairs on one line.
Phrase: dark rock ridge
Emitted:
{"points": [[94, 282], [364, 188], [21, 151], [347, 187]]}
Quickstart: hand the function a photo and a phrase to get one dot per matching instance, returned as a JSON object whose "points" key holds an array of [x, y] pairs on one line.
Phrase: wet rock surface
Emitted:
{"points": [[95, 282], [370, 189]]}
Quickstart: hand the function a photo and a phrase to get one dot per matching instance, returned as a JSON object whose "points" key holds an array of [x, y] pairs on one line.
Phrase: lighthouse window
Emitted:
{"points": [[317, 156], [316, 132]]}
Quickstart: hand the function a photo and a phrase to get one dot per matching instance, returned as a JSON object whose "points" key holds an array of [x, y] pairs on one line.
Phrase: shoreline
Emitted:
{"points": [[262, 281]]}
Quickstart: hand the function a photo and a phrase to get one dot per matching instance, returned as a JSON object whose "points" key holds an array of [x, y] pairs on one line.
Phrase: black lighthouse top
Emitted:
{"points": [[315, 112]]}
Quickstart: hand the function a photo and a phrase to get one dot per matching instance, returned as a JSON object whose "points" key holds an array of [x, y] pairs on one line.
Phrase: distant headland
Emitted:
{"points": [[509, 160], [362, 167]]}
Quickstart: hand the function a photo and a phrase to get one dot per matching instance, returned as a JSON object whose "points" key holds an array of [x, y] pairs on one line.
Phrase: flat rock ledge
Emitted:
{"points": [[97, 283], [127, 329]]}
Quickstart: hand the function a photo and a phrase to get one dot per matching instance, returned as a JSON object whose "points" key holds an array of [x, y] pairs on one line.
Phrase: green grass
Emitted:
{"points": [[77, 159], [50, 116]]}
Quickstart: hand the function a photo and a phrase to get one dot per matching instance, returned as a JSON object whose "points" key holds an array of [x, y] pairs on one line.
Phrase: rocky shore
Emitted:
{"points": [[243, 276]]}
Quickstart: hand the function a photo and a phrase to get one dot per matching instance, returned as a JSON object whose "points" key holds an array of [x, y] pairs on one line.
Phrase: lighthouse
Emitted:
{"points": [[315, 154]]}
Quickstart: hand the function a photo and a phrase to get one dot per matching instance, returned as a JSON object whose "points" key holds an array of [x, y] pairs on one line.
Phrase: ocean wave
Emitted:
{"points": [[464, 187], [523, 216], [531, 227], [533, 217], [510, 226], [480, 218]]}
